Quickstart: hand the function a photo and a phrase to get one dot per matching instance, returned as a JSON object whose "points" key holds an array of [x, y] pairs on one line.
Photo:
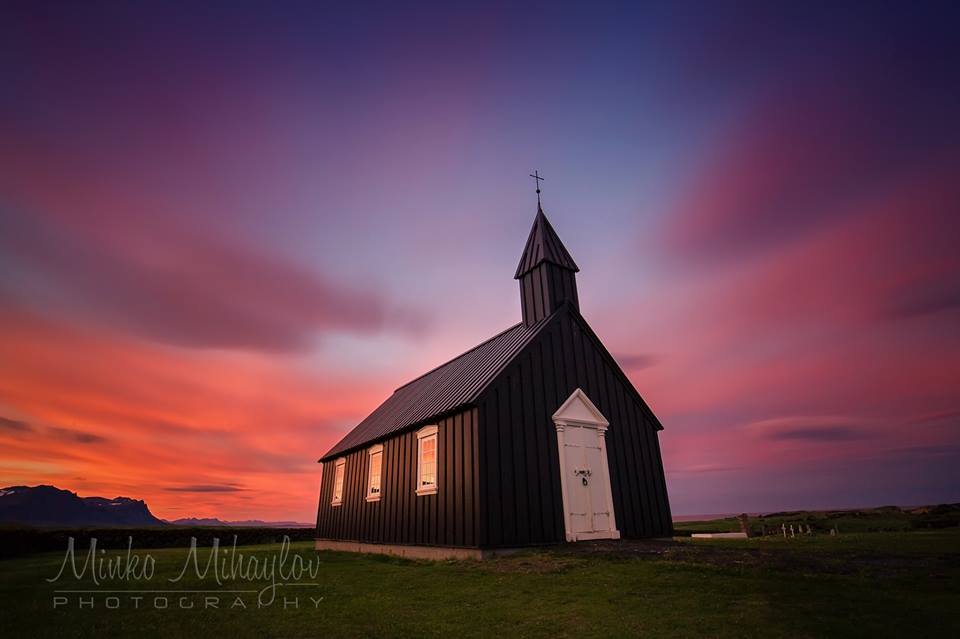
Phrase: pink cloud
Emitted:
{"points": [[807, 320], [798, 153], [101, 251]]}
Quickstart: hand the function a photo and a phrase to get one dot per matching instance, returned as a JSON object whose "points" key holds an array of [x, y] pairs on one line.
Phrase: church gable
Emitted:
{"points": [[567, 351], [518, 437]]}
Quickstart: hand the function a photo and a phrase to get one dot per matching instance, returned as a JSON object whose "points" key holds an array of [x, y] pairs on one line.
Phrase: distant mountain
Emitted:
{"points": [[245, 523], [51, 506]]}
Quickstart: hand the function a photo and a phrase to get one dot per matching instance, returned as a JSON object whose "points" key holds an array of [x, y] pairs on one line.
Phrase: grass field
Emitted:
{"points": [[861, 520], [857, 585]]}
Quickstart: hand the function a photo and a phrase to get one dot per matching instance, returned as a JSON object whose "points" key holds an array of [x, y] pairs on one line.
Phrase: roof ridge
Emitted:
{"points": [[455, 358], [535, 330], [450, 386]]}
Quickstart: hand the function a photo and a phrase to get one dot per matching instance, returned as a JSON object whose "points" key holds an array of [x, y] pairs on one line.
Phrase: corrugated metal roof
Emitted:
{"points": [[454, 384], [544, 245]]}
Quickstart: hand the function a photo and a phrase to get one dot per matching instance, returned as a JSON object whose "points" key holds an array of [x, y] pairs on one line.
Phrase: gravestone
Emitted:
{"points": [[743, 520]]}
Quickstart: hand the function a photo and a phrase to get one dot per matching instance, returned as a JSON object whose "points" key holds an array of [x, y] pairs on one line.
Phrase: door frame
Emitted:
{"points": [[599, 424]]}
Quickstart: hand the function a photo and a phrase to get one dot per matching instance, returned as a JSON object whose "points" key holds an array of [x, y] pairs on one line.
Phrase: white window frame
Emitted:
{"points": [[339, 469], [372, 452], [425, 433]]}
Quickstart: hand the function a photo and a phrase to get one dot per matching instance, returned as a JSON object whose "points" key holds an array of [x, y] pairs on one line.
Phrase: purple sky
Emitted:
{"points": [[227, 233]]}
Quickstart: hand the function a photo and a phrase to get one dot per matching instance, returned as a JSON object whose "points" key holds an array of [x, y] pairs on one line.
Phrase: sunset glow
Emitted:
{"points": [[225, 240]]}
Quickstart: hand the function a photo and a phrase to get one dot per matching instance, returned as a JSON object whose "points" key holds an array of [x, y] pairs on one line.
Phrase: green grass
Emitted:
{"points": [[864, 585], [885, 519], [938, 543]]}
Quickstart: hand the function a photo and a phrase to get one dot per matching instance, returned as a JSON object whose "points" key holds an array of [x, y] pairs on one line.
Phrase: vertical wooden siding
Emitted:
{"points": [[544, 289], [521, 496], [448, 518]]}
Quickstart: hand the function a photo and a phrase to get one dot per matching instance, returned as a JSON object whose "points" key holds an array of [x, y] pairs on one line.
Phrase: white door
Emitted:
{"points": [[579, 503], [598, 481], [587, 497]]}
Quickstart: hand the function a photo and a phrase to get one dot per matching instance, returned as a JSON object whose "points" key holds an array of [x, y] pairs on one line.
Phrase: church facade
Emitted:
{"points": [[533, 437]]}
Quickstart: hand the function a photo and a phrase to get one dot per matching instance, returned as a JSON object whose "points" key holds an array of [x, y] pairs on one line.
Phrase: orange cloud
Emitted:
{"points": [[112, 416]]}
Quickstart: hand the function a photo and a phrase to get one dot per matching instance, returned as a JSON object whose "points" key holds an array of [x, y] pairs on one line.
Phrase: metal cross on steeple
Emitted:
{"points": [[536, 176]]}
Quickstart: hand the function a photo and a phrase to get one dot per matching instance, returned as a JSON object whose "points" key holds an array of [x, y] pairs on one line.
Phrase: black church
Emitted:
{"points": [[535, 436]]}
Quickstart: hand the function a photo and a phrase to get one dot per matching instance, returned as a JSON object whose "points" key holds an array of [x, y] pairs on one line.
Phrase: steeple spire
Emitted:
{"points": [[544, 245], [546, 271]]}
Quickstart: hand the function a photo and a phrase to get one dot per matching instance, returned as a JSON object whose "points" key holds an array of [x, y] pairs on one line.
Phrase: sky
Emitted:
{"points": [[228, 231]]}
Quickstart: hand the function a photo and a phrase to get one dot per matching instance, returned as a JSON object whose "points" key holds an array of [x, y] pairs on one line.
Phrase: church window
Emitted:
{"points": [[338, 482], [375, 467], [427, 460]]}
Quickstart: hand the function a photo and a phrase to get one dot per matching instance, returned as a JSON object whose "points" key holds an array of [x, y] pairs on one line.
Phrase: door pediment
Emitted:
{"points": [[578, 409]]}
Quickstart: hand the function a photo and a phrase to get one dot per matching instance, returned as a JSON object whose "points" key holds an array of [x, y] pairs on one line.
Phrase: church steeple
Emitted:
{"points": [[547, 273]]}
